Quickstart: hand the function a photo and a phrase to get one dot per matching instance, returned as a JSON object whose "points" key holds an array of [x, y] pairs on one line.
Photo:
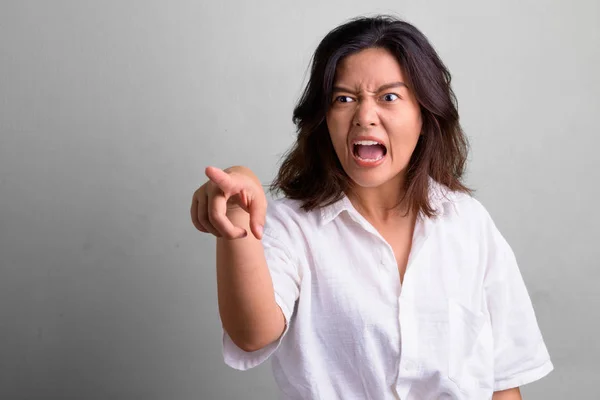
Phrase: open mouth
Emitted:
{"points": [[368, 150]]}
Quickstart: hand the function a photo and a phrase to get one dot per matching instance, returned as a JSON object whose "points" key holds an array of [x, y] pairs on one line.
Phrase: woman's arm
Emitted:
{"points": [[510, 394], [226, 206]]}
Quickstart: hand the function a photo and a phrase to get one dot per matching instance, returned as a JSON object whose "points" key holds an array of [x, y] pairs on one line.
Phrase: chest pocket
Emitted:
{"points": [[450, 345]]}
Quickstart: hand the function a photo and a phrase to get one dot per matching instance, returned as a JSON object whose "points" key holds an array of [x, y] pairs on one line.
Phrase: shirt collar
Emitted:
{"points": [[330, 212], [439, 196]]}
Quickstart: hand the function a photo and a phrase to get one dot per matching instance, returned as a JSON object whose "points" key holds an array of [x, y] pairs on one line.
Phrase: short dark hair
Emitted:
{"points": [[311, 171]]}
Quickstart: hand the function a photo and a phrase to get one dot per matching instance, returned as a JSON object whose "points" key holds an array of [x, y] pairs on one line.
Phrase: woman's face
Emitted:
{"points": [[374, 120]]}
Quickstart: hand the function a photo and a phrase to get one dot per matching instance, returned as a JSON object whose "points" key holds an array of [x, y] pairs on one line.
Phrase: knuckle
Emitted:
{"points": [[205, 221], [198, 194], [212, 218]]}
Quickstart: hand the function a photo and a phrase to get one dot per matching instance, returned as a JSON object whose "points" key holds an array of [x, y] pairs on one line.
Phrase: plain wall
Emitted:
{"points": [[111, 110]]}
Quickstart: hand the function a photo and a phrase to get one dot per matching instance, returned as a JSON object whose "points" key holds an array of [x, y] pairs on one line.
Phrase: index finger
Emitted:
{"points": [[221, 179]]}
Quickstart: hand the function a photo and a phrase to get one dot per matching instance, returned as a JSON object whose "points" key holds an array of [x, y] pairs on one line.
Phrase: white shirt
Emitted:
{"points": [[461, 326]]}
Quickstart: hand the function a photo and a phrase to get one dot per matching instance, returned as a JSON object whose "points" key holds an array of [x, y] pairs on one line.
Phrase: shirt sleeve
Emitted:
{"points": [[286, 284], [520, 354]]}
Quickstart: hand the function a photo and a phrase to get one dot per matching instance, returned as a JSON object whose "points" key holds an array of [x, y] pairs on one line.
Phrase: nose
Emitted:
{"points": [[365, 114]]}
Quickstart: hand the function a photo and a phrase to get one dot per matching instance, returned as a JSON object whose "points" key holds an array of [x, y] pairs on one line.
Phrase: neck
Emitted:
{"points": [[380, 204]]}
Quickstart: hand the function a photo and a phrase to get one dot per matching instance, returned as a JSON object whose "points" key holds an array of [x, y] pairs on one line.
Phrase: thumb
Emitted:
{"points": [[258, 212]]}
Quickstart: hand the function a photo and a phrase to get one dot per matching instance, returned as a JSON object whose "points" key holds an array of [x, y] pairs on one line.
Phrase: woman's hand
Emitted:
{"points": [[229, 191]]}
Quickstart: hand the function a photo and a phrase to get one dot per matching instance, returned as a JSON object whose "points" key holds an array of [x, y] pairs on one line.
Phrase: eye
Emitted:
{"points": [[344, 99], [390, 97]]}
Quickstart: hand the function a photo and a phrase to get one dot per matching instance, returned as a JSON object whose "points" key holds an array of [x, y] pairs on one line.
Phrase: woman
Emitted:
{"points": [[377, 275]]}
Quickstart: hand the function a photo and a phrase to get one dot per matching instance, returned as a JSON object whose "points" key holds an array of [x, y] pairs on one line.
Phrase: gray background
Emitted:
{"points": [[110, 110]]}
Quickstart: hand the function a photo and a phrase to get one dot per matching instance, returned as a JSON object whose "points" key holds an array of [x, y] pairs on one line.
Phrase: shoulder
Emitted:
{"points": [[284, 209], [465, 213], [283, 206], [286, 217], [467, 217], [468, 208], [467, 221]]}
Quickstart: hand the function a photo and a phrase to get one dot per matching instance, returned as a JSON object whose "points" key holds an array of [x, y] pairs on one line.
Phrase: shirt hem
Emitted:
{"points": [[524, 378], [241, 360]]}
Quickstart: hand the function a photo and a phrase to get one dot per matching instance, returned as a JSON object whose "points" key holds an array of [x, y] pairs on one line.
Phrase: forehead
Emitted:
{"points": [[369, 67]]}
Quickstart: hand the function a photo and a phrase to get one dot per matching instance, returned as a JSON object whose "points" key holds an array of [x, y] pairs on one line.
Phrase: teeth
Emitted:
{"points": [[370, 159], [367, 142]]}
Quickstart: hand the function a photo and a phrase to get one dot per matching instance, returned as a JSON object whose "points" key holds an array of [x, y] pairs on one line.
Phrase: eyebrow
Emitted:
{"points": [[381, 88]]}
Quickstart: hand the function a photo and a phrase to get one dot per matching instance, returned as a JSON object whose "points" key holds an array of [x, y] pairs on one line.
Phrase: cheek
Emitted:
{"points": [[338, 131], [405, 134], [411, 124]]}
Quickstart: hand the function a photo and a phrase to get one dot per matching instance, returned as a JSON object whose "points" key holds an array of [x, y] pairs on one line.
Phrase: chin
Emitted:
{"points": [[370, 179]]}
